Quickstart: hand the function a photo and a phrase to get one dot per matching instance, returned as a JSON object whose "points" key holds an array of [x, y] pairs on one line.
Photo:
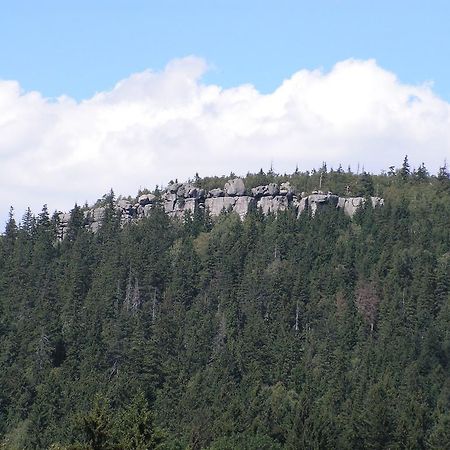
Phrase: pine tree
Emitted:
{"points": [[421, 174], [405, 171]]}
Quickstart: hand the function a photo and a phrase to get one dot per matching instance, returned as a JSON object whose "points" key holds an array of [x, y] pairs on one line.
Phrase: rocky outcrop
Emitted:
{"points": [[242, 205], [216, 205], [318, 200], [63, 219], [271, 189], [182, 198], [146, 199], [273, 204], [351, 204]]}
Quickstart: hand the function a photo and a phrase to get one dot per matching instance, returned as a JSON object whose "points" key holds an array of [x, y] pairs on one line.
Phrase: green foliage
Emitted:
{"points": [[266, 333]]}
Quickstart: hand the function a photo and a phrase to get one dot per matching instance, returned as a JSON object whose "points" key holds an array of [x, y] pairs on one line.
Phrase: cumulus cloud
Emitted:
{"points": [[156, 126]]}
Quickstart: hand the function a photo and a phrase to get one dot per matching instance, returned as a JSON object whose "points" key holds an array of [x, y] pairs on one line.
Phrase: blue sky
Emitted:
{"points": [[127, 94], [80, 47]]}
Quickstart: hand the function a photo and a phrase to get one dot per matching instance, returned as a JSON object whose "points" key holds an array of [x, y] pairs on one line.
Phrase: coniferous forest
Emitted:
{"points": [[274, 332]]}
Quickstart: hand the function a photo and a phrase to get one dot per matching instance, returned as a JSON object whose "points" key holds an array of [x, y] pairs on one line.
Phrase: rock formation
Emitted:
{"points": [[181, 198]]}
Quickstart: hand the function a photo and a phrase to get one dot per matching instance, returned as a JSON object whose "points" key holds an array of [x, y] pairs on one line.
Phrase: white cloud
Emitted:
{"points": [[152, 127]]}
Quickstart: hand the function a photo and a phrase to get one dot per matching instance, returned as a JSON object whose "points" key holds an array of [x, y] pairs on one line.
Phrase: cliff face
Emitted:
{"points": [[183, 197]]}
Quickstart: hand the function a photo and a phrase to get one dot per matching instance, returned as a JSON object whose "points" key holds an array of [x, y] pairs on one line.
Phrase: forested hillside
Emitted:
{"points": [[272, 332]]}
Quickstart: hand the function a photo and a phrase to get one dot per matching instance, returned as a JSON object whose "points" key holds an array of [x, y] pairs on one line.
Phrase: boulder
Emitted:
{"points": [[195, 192], [216, 193], [235, 187], [270, 189], [259, 191], [146, 199]]}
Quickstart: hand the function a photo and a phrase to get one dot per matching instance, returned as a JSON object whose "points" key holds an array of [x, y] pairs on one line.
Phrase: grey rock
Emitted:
{"points": [[95, 226], [217, 204], [320, 200], [313, 207], [147, 210], [377, 201], [98, 214], [169, 206], [127, 214], [145, 199], [190, 204], [315, 197], [352, 204], [216, 193], [140, 211], [173, 188], [180, 198], [286, 189], [169, 197], [195, 192], [273, 189], [302, 205], [183, 190], [270, 189], [181, 206], [235, 187], [124, 204], [341, 202], [64, 218], [242, 205], [259, 191], [273, 204]]}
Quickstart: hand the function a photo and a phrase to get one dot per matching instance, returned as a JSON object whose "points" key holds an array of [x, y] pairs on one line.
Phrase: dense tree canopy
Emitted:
{"points": [[268, 333]]}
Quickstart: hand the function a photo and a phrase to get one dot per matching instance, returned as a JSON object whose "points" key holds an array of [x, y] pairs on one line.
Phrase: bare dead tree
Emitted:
{"points": [[367, 302], [133, 298]]}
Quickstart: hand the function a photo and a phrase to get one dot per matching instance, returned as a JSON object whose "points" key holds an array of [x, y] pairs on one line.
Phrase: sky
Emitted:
{"points": [[128, 94]]}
